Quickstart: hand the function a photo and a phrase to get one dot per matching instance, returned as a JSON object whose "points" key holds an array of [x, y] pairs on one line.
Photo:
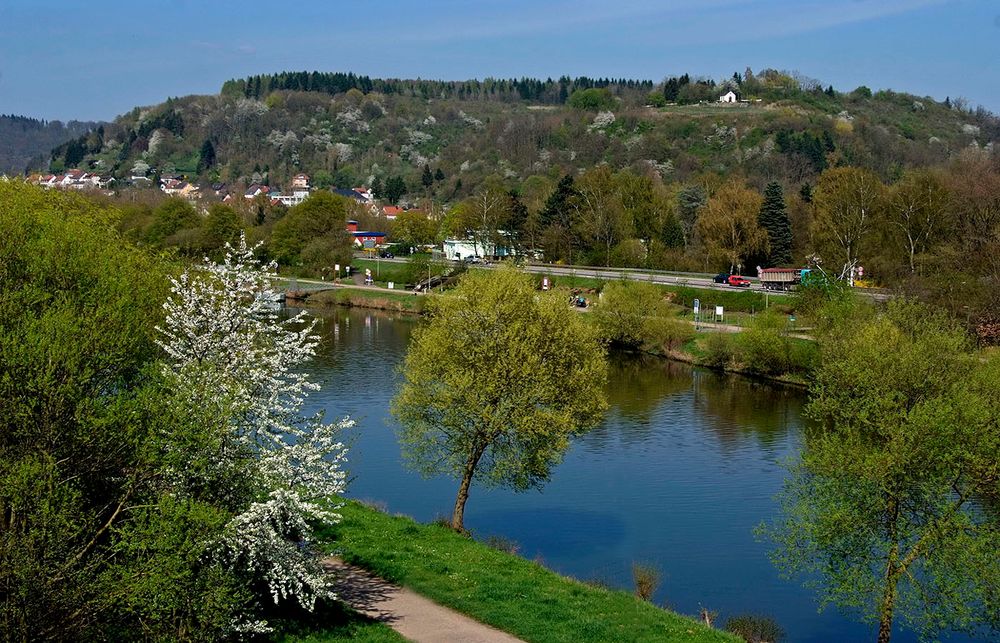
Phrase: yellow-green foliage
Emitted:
{"points": [[499, 379], [635, 314]]}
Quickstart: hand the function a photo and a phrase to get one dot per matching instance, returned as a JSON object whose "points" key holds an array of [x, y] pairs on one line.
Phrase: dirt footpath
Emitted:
{"points": [[415, 617]]}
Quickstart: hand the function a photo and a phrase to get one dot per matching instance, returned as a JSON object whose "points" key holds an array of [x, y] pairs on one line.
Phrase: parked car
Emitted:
{"points": [[739, 281], [721, 278]]}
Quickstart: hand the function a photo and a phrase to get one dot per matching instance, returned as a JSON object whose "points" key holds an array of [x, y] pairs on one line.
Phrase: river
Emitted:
{"points": [[683, 468]]}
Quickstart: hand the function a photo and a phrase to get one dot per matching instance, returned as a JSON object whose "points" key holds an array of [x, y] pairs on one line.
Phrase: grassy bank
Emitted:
{"points": [[505, 591], [403, 302], [335, 623]]}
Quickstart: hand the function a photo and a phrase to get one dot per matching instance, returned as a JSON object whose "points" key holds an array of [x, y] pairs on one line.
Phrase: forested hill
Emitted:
{"points": [[345, 130], [26, 142]]}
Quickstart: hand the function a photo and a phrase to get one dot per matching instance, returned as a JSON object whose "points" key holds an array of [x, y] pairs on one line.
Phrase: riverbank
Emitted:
{"points": [[500, 589], [351, 297], [698, 351]]}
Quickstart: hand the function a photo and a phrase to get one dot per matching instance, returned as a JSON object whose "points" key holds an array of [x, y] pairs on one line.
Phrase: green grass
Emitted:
{"points": [[383, 271], [505, 591], [332, 623], [743, 301]]}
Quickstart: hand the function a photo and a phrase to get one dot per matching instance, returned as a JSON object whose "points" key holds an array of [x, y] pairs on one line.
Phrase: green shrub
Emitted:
{"points": [[764, 347], [646, 579], [719, 350], [755, 629], [668, 332], [635, 314]]}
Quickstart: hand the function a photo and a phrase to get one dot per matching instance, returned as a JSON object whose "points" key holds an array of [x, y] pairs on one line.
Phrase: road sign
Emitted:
{"points": [[336, 267], [718, 313], [369, 244], [861, 271], [697, 306]]}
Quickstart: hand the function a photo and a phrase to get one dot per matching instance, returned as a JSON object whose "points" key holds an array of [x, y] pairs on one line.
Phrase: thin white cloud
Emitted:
{"points": [[682, 21]]}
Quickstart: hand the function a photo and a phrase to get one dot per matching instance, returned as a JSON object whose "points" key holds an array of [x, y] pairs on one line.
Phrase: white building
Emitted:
{"points": [[296, 197], [729, 97], [461, 249]]}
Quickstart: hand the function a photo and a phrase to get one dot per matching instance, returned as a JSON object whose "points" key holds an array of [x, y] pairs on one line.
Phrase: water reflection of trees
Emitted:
{"points": [[352, 334], [745, 407], [637, 384]]}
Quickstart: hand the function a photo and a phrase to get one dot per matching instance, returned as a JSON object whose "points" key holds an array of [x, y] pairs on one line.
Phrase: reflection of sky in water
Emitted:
{"points": [[685, 465]]}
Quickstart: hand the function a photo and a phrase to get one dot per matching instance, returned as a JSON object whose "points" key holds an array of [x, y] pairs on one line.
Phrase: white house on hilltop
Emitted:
{"points": [[729, 97]]}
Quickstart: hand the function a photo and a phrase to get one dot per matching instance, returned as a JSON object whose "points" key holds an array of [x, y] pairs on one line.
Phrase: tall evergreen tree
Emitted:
{"points": [[774, 219], [558, 203], [206, 157], [395, 188], [427, 178], [438, 175], [377, 188]]}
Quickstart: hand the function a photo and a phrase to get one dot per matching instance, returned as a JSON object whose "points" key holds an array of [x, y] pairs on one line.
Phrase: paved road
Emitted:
{"points": [[692, 279], [415, 617]]}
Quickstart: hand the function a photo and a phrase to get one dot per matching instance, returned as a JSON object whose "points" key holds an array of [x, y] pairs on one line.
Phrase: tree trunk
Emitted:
{"points": [[892, 572], [885, 610], [458, 516]]}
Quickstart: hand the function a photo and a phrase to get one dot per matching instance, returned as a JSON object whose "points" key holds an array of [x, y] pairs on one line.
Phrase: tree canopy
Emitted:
{"points": [[889, 508], [496, 384]]}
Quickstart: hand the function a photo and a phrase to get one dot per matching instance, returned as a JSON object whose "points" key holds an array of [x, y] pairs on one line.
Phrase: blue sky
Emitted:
{"points": [[99, 59]]}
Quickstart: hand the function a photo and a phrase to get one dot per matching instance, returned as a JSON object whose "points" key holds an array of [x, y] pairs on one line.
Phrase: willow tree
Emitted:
{"points": [[496, 384], [889, 510]]}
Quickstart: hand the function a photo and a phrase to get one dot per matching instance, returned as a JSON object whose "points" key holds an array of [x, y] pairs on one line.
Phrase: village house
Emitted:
{"points": [[177, 187], [350, 194], [297, 196], [363, 238], [255, 190], [729, 97], [300, 182], [391, 212], [72, 179]]}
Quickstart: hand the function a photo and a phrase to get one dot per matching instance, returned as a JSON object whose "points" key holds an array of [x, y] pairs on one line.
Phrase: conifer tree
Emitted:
{"points": [[774, 219], [427, 179]]}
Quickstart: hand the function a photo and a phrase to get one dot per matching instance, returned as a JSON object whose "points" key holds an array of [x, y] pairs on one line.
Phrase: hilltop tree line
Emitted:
{"points": [[497, 89]]}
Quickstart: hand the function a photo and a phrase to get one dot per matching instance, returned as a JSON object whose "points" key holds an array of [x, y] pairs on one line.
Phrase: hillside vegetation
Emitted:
{"points": [[346, 130], [27, 142], [884, 188]]}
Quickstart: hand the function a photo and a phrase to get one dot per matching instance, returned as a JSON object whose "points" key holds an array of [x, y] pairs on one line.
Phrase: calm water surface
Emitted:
{"points": [[685, 465]]}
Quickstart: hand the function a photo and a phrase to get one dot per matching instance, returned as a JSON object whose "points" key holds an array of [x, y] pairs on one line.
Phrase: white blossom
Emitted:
{"points": [[469, 120], [141, 168], [344, 151], [353, 119], [601, 121], [155, 140], [233, 360]]}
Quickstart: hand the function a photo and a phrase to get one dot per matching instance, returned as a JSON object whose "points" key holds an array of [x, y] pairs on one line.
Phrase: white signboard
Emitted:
{"points": [[718, 313], [391, 284], [697, 306]]}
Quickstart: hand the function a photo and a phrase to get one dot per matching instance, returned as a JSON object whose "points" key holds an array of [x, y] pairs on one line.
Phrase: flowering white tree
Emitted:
{"points": [[232, 363]]}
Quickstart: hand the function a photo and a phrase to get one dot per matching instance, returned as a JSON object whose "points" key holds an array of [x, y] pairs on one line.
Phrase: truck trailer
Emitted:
{"points": [[780, 278]]}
